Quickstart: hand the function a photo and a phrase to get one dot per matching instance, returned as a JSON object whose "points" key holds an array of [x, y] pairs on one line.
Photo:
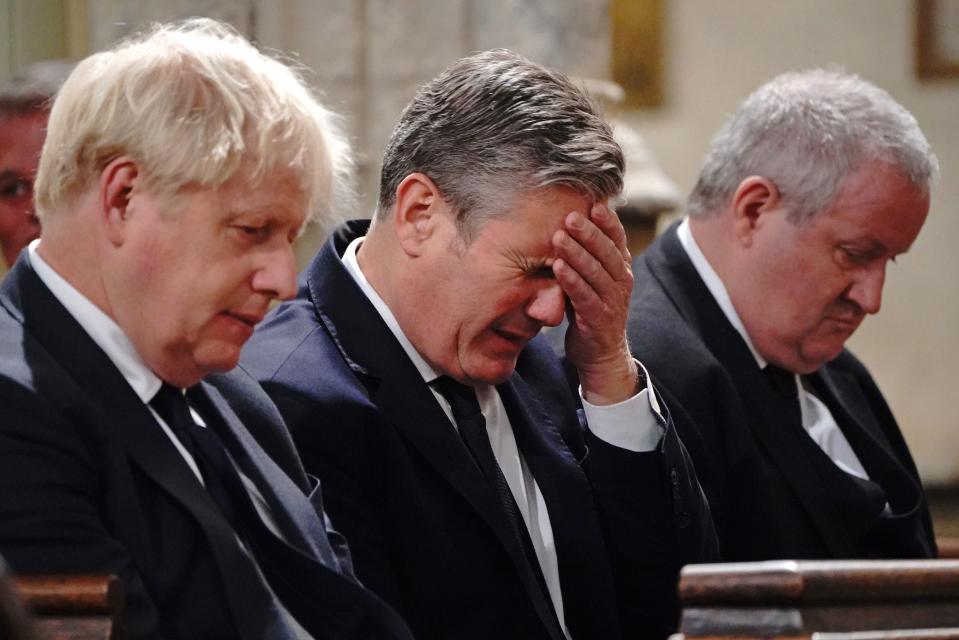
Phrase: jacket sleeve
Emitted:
{"points": [[51, 498], [339, 452], [657, 519]]}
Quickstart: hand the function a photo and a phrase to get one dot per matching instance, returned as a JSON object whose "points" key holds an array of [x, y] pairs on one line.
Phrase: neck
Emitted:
{"points": [[712, 237], [71, 253]]}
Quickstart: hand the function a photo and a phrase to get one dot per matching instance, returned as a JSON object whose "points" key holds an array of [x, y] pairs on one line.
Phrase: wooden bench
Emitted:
{"points": [[71, 607], [948, 548], [825, 600]]}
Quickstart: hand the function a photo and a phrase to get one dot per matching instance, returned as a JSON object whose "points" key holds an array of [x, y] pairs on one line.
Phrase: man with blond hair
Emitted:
{"points": [[178, 169]]}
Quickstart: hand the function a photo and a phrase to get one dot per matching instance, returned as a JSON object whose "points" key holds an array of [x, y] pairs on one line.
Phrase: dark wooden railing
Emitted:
{"points": [[825, 600], [70, 607]]}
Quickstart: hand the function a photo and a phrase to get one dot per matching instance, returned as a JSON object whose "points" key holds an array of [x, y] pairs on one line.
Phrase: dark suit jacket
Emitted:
{"points": [[89, 483], [423, 524], [773, 492]]}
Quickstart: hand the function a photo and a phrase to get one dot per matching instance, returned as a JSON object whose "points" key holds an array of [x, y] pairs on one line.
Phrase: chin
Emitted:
{"points": [[813, 360], [218, 361], [493, 373]]}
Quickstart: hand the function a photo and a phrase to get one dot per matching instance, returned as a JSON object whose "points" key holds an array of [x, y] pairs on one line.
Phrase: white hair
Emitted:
{"points": [[808, 131], [194, 104]]}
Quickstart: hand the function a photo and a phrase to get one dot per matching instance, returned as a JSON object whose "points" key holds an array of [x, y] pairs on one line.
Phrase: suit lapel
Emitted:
{"points": [[120, 412], [291, 510], [585, 579], [399, 392], [842, 394], [777, 429], [122, 418]]}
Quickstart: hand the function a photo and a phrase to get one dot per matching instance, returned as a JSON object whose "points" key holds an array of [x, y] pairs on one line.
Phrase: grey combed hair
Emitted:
{"points": [[194, 104], [494, 125], [807, 132], [33, 87]]}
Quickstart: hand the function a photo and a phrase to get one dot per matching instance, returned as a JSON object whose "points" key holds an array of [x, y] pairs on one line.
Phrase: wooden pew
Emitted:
{"points": [[72, 607], [825, 600], [948, 548], [15, 623]]}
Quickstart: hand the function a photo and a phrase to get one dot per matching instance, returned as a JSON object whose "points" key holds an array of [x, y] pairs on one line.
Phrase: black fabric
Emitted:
{"points": [[425, 529], [472, 429], [88, 472], [786, 391], [783, 382], [207, 451], [773, 492]]}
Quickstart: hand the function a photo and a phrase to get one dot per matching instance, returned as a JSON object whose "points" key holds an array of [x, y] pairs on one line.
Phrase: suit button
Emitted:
{"points": [[674, 476]]}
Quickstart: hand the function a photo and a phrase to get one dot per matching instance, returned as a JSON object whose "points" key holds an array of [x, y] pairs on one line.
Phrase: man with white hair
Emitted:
{"points": [[816, 183], [178, 169]]}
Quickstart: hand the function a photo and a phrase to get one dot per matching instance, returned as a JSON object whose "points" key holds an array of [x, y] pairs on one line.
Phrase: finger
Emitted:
{"points": [[583, 298], [592, 269], [587, 268], [604, 217], [598, 244]]}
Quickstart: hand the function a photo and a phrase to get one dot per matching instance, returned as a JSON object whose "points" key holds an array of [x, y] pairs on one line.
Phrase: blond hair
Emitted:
{"points": [[194, 104]]}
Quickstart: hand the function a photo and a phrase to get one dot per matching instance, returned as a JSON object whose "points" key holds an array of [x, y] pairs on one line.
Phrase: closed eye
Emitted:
{"points": [[255, 233]]}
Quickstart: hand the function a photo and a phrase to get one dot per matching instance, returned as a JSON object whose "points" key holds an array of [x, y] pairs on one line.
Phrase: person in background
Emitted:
{"points": [[24, 107], [816, 184]]}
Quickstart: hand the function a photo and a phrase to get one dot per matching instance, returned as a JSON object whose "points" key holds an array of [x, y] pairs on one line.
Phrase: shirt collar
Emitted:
{"points": [[353, 267], [715, 285], [106, 333]]}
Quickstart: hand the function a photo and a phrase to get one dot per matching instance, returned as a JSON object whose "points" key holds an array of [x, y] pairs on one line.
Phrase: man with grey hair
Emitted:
{"points": [[178, 168], [410, 371], [814, 185], [24, 108]]}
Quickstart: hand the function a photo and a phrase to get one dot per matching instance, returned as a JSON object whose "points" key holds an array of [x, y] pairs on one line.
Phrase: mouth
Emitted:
{"points": [[849, 323], [518, 338], [249, 319]]}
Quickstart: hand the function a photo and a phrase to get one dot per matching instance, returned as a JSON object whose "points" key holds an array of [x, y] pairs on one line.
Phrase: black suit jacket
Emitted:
{"points": [[423, 524], [89, 483], [773, 492]]}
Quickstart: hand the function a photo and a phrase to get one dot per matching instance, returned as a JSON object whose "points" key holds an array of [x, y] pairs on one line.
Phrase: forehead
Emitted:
{"points": [[878, 204], [276, 196], [21, 140], [534, 216]]}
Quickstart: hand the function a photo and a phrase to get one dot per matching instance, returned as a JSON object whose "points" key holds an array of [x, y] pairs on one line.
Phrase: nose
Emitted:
{"points": [[866, 291], [548, 304], [276, 275]]}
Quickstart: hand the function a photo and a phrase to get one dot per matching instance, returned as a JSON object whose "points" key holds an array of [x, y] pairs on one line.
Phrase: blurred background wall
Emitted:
{"points": [[368, 56]]}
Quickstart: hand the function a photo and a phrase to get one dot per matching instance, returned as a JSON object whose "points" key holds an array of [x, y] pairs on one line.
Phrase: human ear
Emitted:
{"points": [[755, 197], [417, 213], [117, 181]]}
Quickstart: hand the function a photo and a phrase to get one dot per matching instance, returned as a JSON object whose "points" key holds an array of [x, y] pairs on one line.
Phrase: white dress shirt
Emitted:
{"points": [[816, 418], [111, 339], [634, 424]]}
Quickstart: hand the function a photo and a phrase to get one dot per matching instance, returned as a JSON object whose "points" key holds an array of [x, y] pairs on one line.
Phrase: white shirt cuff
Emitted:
{"points": [[635, 424]]}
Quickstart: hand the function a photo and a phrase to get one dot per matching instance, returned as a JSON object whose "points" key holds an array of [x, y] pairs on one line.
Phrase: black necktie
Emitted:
{"points": [[298, 578], [222, 481], [472, 429], [784, 386]]}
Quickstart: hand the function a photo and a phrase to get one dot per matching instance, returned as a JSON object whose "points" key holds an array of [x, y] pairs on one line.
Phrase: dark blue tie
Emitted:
{"points": [[222, 481], [299, 579], [472, 429]]}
